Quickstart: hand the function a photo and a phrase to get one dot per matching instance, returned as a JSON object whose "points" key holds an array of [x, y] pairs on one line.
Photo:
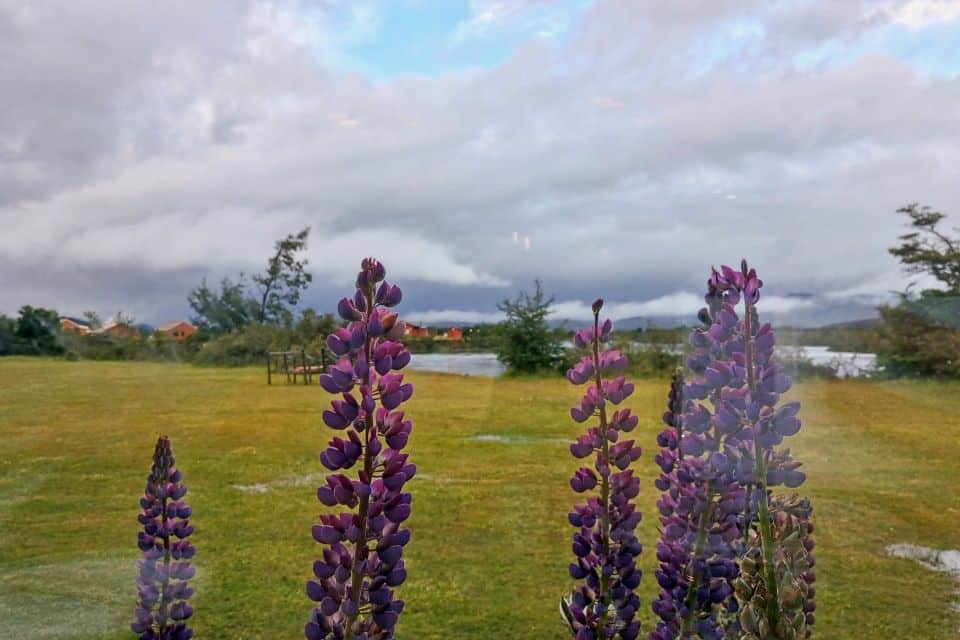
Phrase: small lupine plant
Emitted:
{"points": [[162, 608], [363, 545], [604, 543], [717, 469]]}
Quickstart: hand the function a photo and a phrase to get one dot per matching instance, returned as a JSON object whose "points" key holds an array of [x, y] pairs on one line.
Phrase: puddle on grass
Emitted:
{"points": [[947, 561], [308, 480], [251, 488]]}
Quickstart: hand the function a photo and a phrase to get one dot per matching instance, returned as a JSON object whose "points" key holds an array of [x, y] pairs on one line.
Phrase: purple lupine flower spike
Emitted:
{"points": [[703, 498], [363, 545], [164, 569], [604, 544], [764, 465], [718, 463]]}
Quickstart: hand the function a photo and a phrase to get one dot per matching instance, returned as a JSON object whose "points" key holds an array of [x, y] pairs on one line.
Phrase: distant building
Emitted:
{"points": [[454, 333], [75, 325], [415, 330], [118, 330], [177, 331]]}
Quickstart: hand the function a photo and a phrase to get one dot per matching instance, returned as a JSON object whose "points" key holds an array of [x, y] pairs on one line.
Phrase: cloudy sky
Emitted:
{"points": [[615, 147]]}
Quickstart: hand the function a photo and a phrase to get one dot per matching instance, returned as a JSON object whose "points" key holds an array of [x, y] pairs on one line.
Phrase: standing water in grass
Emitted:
{"points": [[363, 545]]}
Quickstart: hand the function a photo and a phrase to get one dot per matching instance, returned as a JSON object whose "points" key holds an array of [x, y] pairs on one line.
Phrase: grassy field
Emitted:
{"points": [[491, 541]]}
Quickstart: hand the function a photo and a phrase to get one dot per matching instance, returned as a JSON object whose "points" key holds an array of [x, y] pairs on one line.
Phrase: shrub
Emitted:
{"points": [[527, 344], [918, 341], [99, 346]]}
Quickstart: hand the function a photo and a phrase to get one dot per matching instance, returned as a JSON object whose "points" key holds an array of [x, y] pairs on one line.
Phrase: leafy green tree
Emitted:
{"points": [[528, 345], [218, 312], [9, 343], [926, 249], [285, 279], [312, 329], [37, 330], [921, 335], [916, 343], [278, 292]]}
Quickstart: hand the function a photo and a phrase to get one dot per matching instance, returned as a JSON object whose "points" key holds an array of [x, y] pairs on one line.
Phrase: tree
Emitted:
{"points": [[9, 343], [36, 330], [921, 335], [929, 250], [223, 311], [123, 318], [93, 318], [915, 343], [528, 345], [285, 278], [278, 292], [312, 329]]}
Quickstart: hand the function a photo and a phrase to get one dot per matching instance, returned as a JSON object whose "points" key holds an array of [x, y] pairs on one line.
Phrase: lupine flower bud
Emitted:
{"points": [[353, 585], [164, 568], [604, 544]]}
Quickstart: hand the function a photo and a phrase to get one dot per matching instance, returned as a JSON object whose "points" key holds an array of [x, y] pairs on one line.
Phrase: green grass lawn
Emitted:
{"points": [[491, 542]]}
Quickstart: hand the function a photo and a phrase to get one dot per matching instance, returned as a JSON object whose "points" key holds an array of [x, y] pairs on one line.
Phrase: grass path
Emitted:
{"points": [[491, 541]]}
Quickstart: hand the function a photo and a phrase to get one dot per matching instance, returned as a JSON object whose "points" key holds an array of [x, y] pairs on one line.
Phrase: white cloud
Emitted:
{"points": [[406, 255], [922, 13], [190, 137]]}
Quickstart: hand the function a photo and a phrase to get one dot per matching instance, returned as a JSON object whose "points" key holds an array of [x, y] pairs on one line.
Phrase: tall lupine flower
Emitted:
{"points": [[793, 562], [703, 498], [604, 543], [750, 396], [162, 586], [363, 545]]}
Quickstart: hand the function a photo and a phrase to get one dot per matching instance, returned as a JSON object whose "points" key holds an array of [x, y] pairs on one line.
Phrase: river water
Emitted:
{"points": [[486, 364]]}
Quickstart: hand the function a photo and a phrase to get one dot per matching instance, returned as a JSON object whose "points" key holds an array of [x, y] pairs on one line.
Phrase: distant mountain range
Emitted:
{"points": [[817, 313], [820, 313]]}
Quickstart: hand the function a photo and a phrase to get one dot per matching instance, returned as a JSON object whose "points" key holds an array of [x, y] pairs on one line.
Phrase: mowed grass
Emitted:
{"points": [[491, 543]]}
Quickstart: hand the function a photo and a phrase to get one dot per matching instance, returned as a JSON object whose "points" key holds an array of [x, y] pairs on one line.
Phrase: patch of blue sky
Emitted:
{"points": [[728, 43], [433, 37], [933, 50]]}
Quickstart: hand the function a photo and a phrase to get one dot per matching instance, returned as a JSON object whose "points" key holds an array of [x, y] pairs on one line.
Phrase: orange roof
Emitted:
{"points": [[173, 325]]}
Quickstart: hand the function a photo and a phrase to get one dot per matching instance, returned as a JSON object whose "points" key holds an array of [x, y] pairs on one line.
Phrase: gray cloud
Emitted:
{"points": [[142, 147]]}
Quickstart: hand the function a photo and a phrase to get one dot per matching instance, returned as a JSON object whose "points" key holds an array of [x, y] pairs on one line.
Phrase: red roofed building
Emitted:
{"points": [[415, 330], [455, 334], [119, 330], [177, 331], [73, 325]]}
